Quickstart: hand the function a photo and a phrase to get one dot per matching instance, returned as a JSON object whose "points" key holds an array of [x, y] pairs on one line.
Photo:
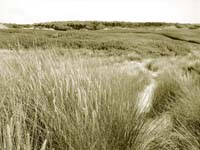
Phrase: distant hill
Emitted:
{"points": [[98, 25]]}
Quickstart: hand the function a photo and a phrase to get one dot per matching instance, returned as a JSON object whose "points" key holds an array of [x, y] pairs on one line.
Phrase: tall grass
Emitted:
{"points": [[54, 102], [71, 101], [177, 95]]}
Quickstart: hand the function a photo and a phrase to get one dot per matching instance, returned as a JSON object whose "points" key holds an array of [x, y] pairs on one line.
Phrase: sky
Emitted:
{"points": [[34, 11]]}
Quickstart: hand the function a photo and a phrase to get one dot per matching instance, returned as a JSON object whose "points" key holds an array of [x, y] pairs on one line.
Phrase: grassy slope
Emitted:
{"points": [[117, 42]]}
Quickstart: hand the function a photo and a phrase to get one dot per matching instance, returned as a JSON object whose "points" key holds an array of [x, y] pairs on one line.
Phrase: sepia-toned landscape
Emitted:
{"points": [[100, 86]]}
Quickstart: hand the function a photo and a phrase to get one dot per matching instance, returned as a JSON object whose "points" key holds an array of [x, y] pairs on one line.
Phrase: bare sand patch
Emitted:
{"points": [[2, 26]]}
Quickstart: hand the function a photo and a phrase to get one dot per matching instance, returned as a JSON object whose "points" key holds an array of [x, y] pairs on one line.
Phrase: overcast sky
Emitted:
{"points": [[31, 11]]}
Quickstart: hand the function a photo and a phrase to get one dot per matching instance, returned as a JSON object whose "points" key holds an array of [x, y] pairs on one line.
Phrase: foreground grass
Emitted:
{"points": [[53, 101], [177, 95], [67, 104]]}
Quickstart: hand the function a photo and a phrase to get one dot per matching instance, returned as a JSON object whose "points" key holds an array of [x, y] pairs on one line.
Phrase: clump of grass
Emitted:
{"points": [[186, 113], [165, 94], [177, 95], [133, 57], [151, 66], [56, 102]]}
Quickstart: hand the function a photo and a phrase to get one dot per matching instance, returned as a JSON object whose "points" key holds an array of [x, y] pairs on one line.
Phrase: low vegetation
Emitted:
{"points": [[145, 42]]}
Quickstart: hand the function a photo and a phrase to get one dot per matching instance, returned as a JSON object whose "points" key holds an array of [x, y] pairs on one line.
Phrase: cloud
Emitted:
{"points": [[29, 11]]}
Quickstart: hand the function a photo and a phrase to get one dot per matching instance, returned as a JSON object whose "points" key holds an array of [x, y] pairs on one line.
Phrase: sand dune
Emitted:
{"points": [[2, 26]]}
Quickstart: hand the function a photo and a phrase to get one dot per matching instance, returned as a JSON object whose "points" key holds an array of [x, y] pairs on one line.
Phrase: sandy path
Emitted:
{"points": [[146, 96], [135, 68], [153, 127]]}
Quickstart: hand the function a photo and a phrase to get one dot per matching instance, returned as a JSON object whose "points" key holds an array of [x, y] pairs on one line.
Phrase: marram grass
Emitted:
{"points": [[58, 102], [48, 102]]}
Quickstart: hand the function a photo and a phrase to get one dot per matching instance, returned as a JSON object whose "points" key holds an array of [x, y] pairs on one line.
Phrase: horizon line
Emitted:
{"points": [[125, 21]]}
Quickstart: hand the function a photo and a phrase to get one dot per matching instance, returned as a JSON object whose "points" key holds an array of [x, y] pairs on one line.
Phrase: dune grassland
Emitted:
{"points": [[108, 87]]}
